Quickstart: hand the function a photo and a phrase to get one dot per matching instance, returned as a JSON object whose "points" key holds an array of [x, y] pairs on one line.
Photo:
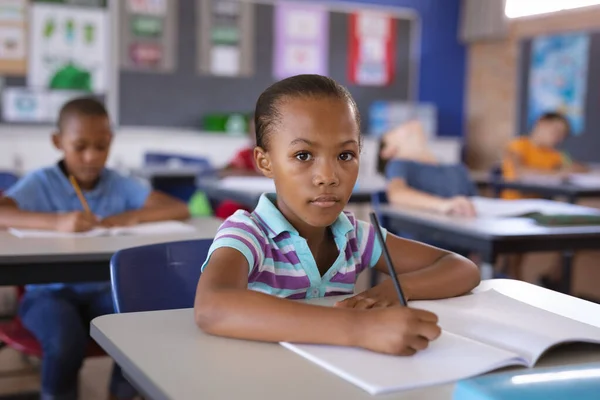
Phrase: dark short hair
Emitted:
{"points": [[267, 113], [553, 116], [82, 106]]}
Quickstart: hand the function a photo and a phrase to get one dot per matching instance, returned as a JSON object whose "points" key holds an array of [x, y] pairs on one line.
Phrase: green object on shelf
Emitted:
{"points": [[233, 124], [72, 77], [199, 205]]}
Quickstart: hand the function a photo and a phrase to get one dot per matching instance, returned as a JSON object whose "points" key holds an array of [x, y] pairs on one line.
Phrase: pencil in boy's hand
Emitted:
{"points": [[82, 199], [388, 258]]}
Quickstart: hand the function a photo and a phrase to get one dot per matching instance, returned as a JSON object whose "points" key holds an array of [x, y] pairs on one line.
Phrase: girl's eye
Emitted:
{"points": [[303, 156], [346, 156]]}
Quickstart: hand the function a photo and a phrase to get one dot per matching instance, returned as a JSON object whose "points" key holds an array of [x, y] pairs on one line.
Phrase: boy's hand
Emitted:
{"points": [[397, 330], [124, 219], [77, 221], [380, 296]]}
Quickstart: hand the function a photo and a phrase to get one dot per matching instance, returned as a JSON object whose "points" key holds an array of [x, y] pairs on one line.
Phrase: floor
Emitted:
{"points": [[19, 380]]}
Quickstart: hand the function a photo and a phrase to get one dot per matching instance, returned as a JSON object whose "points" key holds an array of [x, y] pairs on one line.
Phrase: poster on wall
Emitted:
{"points": [[69, 47], [372, 48], [558, 77], [148, 35], [301, 40], [225, 37], [13, 54]]}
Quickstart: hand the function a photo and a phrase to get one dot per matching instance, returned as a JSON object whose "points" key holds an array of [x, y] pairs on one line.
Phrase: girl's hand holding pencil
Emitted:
{"points": [[397, 330]]}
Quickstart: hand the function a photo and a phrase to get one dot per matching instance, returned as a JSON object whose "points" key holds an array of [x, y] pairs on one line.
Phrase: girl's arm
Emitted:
{"points": [[425, 272], [225, 307]]}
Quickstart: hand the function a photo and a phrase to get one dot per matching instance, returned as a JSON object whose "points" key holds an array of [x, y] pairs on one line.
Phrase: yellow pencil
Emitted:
{"points": [[84, 203]]}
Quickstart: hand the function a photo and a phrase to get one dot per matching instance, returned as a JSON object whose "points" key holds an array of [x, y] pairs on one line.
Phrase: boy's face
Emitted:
{"points": [[551, 133], [313, 157], [85, 142]]}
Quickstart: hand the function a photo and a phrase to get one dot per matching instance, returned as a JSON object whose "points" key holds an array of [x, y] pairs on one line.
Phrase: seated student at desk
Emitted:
{"points": [[242, 164], [415, 177], [58, 314], [537, 154], [300, 243]]}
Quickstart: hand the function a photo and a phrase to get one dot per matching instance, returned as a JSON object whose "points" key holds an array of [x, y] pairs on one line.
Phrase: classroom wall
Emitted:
{"points": [[492, 85], [443, 59]]}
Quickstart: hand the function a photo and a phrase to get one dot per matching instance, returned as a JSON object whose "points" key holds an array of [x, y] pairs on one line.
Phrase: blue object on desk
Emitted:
{"points": [[573, 382], [182, 189], [157, 277]]}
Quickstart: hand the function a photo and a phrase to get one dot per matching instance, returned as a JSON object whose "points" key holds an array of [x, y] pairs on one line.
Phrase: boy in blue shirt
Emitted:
{"points": [[58, 314]]}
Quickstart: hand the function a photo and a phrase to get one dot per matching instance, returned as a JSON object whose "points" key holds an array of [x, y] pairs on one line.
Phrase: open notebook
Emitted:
{"points": [[480, 333], [145, 229]]}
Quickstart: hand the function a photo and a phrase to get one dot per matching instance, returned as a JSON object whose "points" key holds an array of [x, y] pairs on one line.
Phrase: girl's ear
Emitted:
{"points": [[263, 161]]}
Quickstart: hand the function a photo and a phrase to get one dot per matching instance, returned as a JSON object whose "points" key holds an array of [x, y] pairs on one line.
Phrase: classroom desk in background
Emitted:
{"points": [[547, 189], [490, 237], [35, 260], [249, 193], [211, 367]]}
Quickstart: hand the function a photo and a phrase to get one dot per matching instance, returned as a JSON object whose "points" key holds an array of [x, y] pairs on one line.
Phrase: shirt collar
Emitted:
{"points": [[275, 222], [61, 170]]}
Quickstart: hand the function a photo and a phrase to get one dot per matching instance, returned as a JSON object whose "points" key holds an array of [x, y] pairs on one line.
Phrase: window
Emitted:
{"points": [[525, 8]]}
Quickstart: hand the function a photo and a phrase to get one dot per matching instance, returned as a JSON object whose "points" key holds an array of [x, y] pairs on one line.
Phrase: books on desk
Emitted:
{"points": [[480, 333], [499, 208], [145, 229]]}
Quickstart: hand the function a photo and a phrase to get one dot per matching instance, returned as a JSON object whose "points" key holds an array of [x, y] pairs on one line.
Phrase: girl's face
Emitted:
{"points": [[313, 157]]}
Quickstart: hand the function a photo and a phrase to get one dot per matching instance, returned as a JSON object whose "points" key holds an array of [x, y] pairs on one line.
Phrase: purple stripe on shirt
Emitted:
{"points": [[297, 296], [247, 244], [281, 281], [282, 236], [262, 221], [349, 277], [291, 257], [367, 252], [353, 244]]}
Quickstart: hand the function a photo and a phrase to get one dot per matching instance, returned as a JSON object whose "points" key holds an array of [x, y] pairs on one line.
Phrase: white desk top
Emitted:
{"points": [[210, 367], [15, 250], [488, 226]]}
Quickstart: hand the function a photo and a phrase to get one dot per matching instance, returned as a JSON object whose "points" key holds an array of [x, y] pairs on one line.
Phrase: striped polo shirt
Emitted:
{"points": [[280, 262]]}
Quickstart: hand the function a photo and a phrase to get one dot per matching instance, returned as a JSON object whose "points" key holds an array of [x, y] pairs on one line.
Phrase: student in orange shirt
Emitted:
{"points": [[536, 154]]}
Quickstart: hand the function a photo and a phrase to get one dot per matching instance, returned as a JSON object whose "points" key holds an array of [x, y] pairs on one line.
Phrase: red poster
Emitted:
{"points": [[372, 48]]}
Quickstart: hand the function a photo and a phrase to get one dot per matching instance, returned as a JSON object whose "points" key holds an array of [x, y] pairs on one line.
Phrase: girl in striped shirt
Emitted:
{"points": [[299, 243]]}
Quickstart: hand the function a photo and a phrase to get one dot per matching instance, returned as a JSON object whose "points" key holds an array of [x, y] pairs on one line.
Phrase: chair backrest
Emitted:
{"points": [[157, 277], [7, 179]]}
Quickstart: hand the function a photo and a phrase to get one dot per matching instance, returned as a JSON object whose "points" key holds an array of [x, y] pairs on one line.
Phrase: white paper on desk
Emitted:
{"points": [[500, 208], [481, 332], [248, 183], [145, 229], [591, 180]]}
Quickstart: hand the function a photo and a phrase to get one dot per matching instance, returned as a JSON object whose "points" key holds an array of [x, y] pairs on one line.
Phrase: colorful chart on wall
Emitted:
{"points": [[225, 37], [301, 35], [558, 77], [148, 35], [13, 43], [69, 47], [372, 48]]}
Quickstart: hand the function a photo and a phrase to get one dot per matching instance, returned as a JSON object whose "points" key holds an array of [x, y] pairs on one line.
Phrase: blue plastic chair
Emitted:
{"points": [[157, 277], [7, 179]]}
